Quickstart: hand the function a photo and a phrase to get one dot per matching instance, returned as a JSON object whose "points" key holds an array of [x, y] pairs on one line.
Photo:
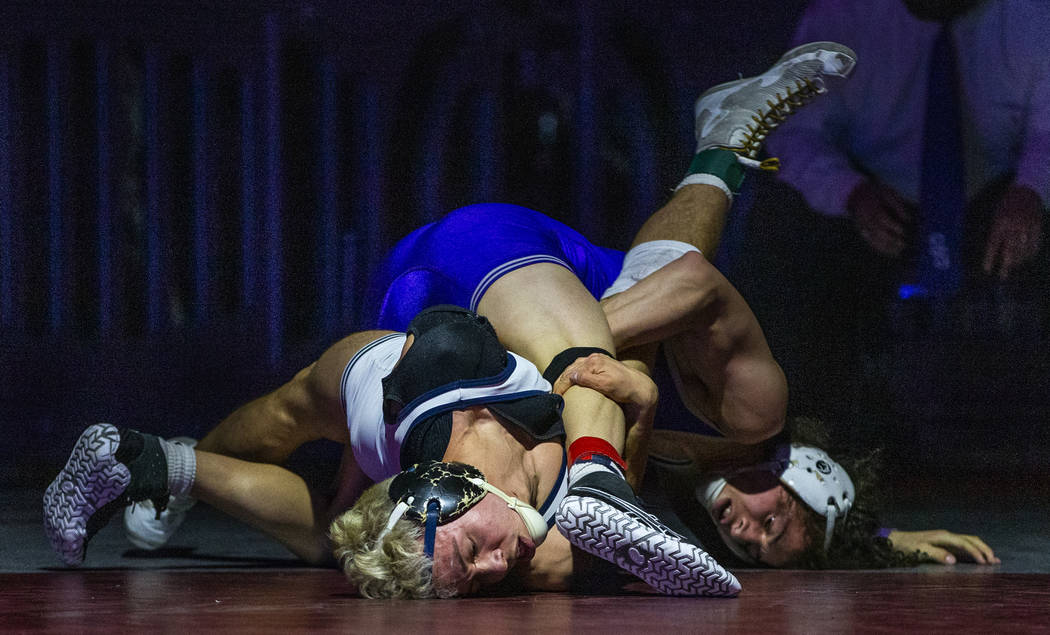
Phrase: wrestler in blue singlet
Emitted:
{"points": [[454, 260]]}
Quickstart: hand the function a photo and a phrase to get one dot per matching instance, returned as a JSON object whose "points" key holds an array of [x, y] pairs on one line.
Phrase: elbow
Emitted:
{"points": [[700, 284], [758, 429], [758, 413], [750, 427]]}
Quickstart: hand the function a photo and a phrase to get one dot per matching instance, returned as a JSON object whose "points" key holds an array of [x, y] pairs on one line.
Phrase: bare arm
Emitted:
{"points": [[551, 568], [306, 408], [728, 374], [272, 498]]}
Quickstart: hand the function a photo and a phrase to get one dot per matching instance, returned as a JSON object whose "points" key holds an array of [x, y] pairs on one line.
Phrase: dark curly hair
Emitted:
{"points": [[855, 543]]}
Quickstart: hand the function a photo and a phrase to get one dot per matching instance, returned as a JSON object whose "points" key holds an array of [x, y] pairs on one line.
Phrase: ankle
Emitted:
{"points": [[182, 467], [591, 454], [718, 167]]}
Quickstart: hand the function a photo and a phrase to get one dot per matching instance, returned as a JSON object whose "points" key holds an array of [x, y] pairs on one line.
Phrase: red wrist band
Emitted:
{"points": [[584, 447]]}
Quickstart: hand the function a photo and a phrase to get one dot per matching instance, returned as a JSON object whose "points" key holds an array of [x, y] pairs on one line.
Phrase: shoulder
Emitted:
{"points": [[374, 350]]}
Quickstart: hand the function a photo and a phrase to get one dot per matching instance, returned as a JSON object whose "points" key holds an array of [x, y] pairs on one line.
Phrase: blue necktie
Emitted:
{"points": [[942, 195]]}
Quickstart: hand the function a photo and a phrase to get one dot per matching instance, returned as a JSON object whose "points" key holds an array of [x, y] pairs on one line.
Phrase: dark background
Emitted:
{"points": [[192, 198]]}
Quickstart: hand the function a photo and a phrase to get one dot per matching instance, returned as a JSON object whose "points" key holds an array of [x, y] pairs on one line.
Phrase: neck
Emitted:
{"points": [[507, 457]]}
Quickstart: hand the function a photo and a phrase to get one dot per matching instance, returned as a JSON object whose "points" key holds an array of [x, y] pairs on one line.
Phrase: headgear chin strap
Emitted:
{"points": [[435, 493], [534, 523], [707, 493], [820, 482]]}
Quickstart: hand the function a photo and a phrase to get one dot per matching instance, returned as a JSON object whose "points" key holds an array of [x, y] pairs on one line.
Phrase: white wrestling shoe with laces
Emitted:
{"points": [[145, 528], [740, 114]]}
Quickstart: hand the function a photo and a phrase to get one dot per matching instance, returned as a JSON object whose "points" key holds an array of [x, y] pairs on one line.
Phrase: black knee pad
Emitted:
{"points": [[565, 358]]}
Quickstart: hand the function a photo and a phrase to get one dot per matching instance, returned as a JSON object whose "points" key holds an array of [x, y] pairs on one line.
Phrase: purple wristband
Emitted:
{"points": [[884, 532]]}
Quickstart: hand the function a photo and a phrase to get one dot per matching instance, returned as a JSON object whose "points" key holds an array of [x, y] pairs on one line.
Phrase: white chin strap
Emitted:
{"points": [[534, 523], [395, 515], [821, 483], [707, 493]]}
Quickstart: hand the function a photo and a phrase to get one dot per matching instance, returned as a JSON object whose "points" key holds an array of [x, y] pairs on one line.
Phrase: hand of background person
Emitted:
{"points": [[943, 546], [1016, 232], [884, 219]]}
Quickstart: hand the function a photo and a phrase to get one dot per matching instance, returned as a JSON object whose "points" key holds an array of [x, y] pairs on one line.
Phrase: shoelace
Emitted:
{"points": [[805, 90]]}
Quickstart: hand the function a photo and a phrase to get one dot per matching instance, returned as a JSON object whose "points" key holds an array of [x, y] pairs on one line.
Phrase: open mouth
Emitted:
{"points": [[525, 550], [722, 511]]}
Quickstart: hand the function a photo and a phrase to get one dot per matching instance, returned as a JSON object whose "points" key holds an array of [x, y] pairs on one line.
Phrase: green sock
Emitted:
{"points": [[720, 163]]}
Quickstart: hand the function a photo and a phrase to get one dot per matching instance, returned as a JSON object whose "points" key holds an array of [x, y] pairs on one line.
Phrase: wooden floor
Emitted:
{"points": [[130, 600], [220, 575]]}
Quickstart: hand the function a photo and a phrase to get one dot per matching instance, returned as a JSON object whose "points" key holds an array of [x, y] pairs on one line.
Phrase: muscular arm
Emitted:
{"points": [[728, 374], [306, 408], [272, 498], [551, 568]]}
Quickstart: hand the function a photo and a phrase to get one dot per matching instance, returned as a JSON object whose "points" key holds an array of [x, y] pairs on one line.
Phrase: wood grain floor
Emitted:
{"points": [[129, 600]]}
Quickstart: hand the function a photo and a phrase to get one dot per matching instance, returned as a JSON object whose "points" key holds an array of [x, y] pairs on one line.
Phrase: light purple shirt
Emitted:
{"points": [[874, 120]]}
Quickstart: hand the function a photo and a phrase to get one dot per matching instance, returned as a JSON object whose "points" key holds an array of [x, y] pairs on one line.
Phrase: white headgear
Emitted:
{"points": [[809, 472], [820, 482]]}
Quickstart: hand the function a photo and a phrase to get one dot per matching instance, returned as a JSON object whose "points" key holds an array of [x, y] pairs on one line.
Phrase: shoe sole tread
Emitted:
{"points": [[665, 562], [91, 479]]}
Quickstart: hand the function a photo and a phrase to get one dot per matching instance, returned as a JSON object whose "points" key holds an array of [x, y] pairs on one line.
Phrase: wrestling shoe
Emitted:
{"points": [[600, 515], [107, 470], [740, 114], [145, 527]]}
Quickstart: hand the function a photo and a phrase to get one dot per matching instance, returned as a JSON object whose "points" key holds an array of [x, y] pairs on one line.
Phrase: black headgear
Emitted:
{"points": [[433, 493]]}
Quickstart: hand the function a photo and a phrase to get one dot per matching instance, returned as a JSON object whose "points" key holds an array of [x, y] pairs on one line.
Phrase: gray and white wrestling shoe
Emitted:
{"points": [[740, 114], [601, 516], [145, 527], [106, 471]]}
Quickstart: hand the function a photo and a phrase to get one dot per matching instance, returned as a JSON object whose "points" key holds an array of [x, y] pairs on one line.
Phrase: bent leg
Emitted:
{"points": [[539, 311], [269, 498], [725, 372], [267, 430], [696, 214]]}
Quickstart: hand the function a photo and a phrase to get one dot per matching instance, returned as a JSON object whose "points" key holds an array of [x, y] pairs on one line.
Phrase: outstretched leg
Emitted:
{"points": [[110, 469], [266, 430]]}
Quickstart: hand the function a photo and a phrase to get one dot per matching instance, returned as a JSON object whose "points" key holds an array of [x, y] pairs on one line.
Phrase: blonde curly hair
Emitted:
{"points": [[396, 568]]}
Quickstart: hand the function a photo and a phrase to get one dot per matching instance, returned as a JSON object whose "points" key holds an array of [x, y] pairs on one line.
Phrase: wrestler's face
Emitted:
{"points": [[758, 514], [480, 547]]}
